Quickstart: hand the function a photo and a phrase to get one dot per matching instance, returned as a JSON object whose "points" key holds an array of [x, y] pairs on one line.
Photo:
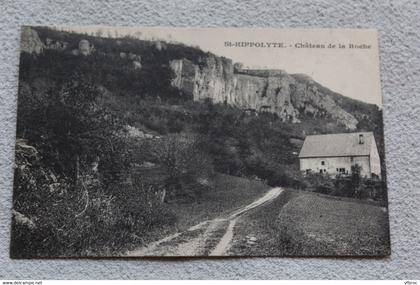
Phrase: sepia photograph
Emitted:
{"points": [[182, 142]]}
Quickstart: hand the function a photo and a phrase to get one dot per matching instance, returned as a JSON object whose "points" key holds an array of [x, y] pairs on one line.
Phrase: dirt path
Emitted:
{"points": [[213, 237]]}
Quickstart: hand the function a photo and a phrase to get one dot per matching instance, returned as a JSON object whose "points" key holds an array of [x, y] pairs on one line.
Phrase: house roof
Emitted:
{"points": [[346, 144]]}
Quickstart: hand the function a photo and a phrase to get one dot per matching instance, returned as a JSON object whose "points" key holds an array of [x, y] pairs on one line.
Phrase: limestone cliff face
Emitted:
{"points": [[274, 91]]}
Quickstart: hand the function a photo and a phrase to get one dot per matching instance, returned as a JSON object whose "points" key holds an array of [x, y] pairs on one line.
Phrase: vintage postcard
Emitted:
{"points": [[135, 142]]}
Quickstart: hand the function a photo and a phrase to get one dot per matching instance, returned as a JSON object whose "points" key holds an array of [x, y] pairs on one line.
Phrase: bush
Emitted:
{"points": [[156, 124], [316, 182], [274, 174], [182, 160], [175, 126], [351, 187], [140, 210]]}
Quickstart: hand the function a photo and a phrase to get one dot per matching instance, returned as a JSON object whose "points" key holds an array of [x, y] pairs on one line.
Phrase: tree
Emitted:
{"points": [[184, 162]]}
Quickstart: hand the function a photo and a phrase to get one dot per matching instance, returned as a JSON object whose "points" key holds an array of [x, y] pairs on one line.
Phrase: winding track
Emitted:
{"points": [[213, 237]]}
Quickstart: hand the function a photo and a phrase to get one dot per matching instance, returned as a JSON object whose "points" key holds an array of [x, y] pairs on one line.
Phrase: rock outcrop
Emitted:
{"points": [[136, 59], [274, 91], [30, 41], [137, 64], [85, 48], [160, 45], [55, 45]]}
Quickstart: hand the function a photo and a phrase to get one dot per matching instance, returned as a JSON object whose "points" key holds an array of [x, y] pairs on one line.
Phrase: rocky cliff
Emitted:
{"points": [[291, 97]]}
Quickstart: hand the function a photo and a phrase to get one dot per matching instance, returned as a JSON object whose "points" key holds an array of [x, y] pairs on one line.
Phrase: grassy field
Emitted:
{"points": [[309, 224], [228, 194]]}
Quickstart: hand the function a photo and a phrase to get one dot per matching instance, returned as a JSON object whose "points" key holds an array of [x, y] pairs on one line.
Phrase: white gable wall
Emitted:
{"points": [[375, 162], [331, 164]]}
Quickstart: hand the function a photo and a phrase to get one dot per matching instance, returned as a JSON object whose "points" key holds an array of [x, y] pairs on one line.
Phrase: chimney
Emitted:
{"points": [[361, 139]]}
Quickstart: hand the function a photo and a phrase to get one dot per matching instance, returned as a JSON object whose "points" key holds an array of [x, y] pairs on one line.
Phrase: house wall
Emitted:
{"points": [[331, 164], [375, 161]]}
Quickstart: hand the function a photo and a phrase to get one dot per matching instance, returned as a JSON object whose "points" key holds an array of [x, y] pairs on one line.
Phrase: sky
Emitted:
{"points": [[352, 72]]}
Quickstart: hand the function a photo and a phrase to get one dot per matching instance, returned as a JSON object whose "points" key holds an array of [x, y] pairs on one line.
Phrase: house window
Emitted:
{"points": [[322, 162], [320, 171], [342, 170]]}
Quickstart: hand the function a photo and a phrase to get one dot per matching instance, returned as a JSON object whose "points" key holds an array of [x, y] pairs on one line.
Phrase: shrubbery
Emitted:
{"points": [[72, 157], [186, 166], [352, 187]]}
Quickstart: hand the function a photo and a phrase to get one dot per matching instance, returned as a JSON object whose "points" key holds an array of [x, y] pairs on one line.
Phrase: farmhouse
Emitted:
{"points": [[335, 154]]}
